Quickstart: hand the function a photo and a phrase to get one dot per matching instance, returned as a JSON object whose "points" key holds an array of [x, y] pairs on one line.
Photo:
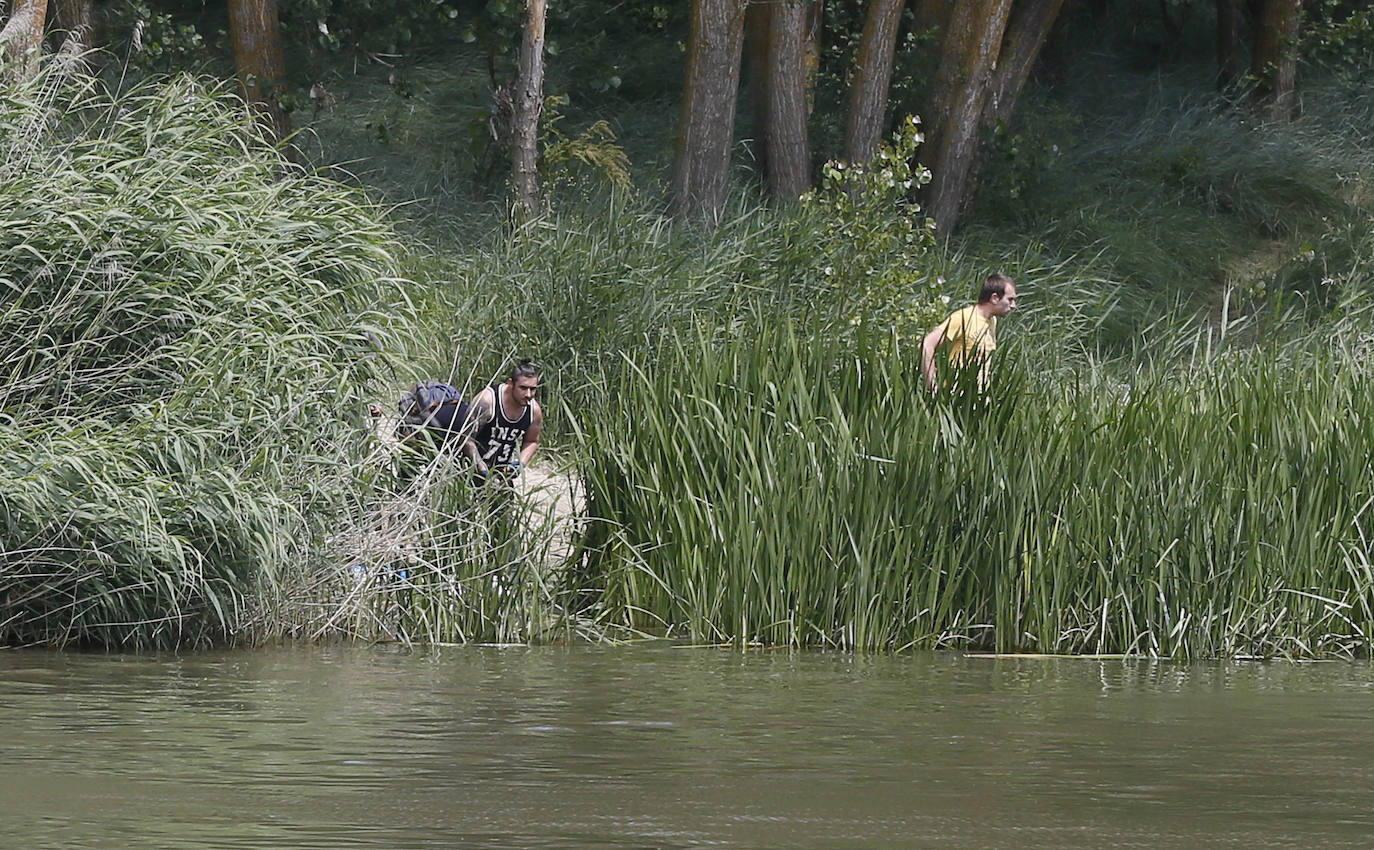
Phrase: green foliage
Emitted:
{"points": [[582, 285], [1180, 201], [1020, 158], [765, 463], [782, 491], [869, 239], [154, 40], [188, 324], [1340, 37], [913, 63], [368, 27], [590, 159]]}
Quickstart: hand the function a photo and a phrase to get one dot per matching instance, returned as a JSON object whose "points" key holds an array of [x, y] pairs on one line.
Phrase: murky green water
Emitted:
{"points": [[662, 747]]}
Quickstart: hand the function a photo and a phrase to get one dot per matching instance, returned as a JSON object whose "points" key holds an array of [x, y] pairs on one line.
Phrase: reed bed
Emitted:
{"points": [[431, 558], [186, 326], [190, 327], [784, 491]]}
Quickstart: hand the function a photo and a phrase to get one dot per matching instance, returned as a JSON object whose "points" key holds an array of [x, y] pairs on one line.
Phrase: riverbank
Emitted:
{"points": [[1164, 469]]}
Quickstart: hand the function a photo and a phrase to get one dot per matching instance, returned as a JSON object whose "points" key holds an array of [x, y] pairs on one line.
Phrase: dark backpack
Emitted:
{"points": [[434, 406]]}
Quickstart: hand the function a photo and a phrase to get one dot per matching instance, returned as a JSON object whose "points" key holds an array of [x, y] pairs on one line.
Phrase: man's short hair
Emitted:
{"points": [[524, 369], [996, 284]]}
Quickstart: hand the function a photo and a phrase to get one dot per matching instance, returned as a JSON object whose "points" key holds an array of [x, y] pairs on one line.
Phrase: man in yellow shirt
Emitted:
{"points": [[970, 332]]}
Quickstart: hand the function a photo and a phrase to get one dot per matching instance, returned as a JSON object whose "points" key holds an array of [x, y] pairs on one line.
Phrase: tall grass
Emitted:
{"points": [[189, 327], [1178, 195], [781, 491], [434, 559], [186, 326]]}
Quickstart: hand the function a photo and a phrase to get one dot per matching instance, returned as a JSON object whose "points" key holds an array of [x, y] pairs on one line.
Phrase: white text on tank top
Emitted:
{"points": [[505, 432]]}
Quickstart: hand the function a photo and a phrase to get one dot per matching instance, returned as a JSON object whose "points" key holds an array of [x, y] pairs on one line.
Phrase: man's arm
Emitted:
{"points": [[932, 342], [531, 444], [481, 411]]}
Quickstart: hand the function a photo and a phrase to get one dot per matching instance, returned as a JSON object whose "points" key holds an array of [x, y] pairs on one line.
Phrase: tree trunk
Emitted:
{"points": [[872, 77], [255, 34], [21, 40], [968, 56], [74, 18], [813, 26], [931, 15], [758, 19], [706, 124], [1228, 44], [1027, 32], [529, 103], [1274, 61], [777, 65]]}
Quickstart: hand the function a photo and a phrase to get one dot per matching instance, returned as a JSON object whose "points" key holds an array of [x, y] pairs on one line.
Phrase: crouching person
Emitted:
{"points": [[432, 413], [503, 425], [430, 419]]}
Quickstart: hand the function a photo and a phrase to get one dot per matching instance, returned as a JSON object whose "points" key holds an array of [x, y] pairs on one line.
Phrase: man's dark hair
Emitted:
{"points": [[996, 284], [524, 369]]}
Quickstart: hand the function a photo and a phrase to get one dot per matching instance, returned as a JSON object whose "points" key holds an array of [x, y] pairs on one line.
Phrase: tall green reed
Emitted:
{"points": [[440, 559], [785, 491], [187, 326]]}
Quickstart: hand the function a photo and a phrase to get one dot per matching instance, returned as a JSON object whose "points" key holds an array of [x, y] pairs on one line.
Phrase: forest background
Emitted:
{"points": [[719, 228]]}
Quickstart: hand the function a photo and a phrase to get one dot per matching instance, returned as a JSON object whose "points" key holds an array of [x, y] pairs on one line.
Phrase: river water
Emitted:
{"points": [[660, 746]]}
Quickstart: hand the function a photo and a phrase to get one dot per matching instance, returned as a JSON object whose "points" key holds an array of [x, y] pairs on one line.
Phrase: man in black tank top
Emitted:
{"points": [[505, 422]]}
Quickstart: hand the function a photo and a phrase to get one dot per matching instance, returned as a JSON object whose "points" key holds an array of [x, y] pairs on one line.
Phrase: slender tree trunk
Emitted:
{"points": [[255, 34], [1027, 31], [1274, 60], [21, 40], [706, 124], [971, 47], [813, 25], [529, 103], [872, 79], [1228, 44], [777, 65]]}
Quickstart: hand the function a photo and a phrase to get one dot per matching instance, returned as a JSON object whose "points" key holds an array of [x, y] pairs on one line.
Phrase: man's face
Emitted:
{"points": [[1005, 303], [523, 388]]}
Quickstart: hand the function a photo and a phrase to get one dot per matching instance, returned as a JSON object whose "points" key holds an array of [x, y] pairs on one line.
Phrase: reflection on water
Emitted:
{"points": [[669, 747]]}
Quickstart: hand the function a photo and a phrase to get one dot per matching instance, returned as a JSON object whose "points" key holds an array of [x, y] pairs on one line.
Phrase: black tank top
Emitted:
{"points": [[500, 439]]}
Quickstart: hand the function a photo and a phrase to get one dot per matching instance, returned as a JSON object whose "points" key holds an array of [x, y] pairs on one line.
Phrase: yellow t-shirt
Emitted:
{"points": [[967, 332]]}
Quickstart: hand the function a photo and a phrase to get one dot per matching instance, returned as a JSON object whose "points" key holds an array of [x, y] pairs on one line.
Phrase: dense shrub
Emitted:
{"points": [[187, 326]]}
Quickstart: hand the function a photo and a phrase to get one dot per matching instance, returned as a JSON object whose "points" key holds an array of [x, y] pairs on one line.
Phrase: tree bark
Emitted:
{"points": [[529, 103], [255, 34], [21, 40], [777, 65], [872, 79], [931, 15], [74, 18], [1228, 44], [1274, 60], [758, 18], [1027, 31], [972, 44], [706, 124], [813, 26]]}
